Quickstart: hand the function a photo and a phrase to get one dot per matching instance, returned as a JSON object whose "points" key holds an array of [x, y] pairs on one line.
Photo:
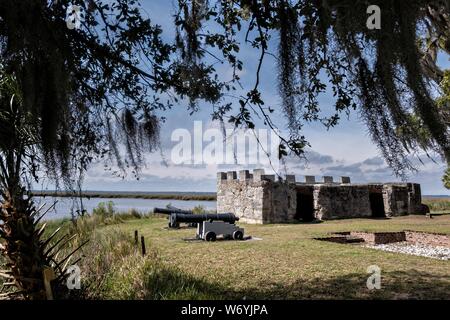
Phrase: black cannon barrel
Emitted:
{"points": [[169, 211], [176, 218]]}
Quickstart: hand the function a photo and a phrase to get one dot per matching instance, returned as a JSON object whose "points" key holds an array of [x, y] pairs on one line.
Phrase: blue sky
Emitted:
{"points": [[343, 150]]}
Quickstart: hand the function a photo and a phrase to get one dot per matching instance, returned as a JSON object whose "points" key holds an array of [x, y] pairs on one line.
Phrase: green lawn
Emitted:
{"points": [[286, 264], [289, 264]]}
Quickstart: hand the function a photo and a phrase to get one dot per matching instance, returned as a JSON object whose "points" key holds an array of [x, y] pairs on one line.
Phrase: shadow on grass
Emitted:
{"points": [[303, 222], [165, 283], [336, 219], [412, 284], [394, 285]]}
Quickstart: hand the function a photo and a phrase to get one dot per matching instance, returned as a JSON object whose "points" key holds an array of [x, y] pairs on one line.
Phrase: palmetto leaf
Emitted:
{"points": [[41, 230], [72, 253], [45, 212], [61, 246], [44, 244]]}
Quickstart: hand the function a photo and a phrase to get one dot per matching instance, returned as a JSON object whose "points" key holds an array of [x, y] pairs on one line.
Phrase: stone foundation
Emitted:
{"points": [[380, 237]]}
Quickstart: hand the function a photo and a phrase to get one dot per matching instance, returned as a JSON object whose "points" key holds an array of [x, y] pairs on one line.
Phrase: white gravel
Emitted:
{"points": [[437, 252]]}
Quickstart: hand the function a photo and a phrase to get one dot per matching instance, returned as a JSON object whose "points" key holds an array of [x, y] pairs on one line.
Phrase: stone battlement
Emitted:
{"points": [[257, 197], [259, 175]]}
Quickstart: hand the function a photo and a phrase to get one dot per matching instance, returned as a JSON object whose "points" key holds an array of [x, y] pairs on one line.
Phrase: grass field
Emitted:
{"points": [[286, 264]]}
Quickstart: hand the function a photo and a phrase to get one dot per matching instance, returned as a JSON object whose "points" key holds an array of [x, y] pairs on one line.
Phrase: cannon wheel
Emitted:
{"points": [[210, 236], [238, 235]]}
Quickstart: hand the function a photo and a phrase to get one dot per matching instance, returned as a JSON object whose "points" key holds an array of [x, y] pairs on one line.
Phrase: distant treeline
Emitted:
{"points": [[201, 196]]}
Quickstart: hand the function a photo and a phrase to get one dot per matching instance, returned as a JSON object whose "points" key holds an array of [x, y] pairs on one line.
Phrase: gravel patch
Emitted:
{"points": [[436, 252]]}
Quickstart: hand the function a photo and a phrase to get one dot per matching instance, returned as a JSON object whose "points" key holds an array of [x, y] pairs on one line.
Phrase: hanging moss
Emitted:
{"points": [[90, 89], [388, 75]]}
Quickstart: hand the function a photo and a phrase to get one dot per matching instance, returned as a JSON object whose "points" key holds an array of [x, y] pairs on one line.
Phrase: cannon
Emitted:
{"points": [[209, 225], [169, 210], [173, 210], [176, 218]]}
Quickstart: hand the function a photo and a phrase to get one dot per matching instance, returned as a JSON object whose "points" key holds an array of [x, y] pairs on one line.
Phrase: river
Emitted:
{"points": [[65, 205]]}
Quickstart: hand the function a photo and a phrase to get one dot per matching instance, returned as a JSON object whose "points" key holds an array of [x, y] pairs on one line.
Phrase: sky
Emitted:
{"points": [[345, 150]]}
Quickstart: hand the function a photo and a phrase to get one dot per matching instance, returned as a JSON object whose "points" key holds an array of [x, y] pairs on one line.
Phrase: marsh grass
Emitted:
{"points": [[2, 267], [104, 214], [441, 204], [3, 290], [112, 265]]}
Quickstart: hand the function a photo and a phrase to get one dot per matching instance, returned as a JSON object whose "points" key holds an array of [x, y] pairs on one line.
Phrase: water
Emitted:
{"points": [[65, 205]]}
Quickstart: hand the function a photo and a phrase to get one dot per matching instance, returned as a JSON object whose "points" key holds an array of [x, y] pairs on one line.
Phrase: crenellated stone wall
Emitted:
{"points": [[261, 198], [257, 197]]}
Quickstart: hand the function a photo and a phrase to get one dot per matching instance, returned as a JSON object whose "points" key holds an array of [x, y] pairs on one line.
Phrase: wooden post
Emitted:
{"points": [[136, 238], [143, 245], [49, 275]]}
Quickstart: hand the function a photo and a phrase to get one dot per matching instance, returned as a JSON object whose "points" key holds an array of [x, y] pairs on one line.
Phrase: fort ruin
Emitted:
{"points": [[260, 198]]}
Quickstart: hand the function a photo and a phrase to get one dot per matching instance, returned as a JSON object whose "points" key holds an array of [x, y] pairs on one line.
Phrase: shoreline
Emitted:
{"points": [[198, 196]]}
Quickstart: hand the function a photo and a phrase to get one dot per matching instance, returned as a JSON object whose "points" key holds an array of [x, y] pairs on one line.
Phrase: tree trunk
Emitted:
{"points": [[22, 246]]}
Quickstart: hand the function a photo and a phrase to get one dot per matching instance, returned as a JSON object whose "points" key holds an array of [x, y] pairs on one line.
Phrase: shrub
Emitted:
{"points": [[201, 209], [446, 178], [131, 214], [104, 209], [198, 209]]}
